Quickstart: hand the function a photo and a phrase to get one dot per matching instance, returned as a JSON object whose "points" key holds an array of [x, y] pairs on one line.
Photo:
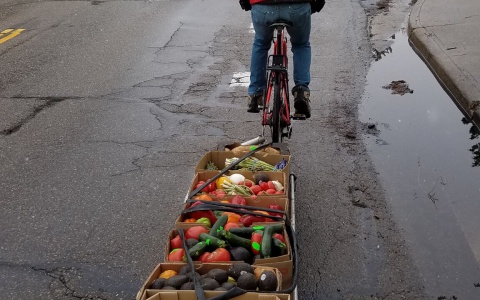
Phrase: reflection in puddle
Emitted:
{"points": [[474, 134], [423, 153]]}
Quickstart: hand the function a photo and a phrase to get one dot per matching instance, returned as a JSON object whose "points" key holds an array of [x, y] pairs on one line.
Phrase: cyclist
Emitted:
{"points": [[297, 13]]}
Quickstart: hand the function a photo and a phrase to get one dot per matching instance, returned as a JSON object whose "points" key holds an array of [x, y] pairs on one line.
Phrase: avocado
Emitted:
{"points": [[187, 286], [228, 285], [240, 254], [260, 177], [247, 281], [209, 284], [218, 274], [191, 242], [267, 281], [184, 270], [236, 269], [176, 281], [190, 276], [158, 284], [169, 288]]}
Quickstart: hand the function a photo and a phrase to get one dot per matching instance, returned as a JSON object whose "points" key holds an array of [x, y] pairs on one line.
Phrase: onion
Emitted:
{"points": [[236, 178]]}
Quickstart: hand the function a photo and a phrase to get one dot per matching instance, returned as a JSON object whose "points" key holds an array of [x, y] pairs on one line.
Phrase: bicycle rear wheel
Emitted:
{"points": [[277, 136]]}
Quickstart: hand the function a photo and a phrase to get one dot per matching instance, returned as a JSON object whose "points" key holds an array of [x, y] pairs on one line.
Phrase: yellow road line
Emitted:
{"points": [[11, 34]]}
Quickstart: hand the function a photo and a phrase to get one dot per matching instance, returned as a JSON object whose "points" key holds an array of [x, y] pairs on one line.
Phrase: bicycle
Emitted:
{"points": [[276, 113]]}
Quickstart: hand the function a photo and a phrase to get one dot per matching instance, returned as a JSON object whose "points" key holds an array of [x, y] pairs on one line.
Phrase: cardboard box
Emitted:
{"points": [[201, 269], [283, 263], [218, 158], [279, 176], [260, 202], [190, 295]]}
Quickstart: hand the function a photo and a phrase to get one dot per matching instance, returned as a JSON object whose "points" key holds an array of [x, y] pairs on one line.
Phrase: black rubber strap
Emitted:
{"points": [[198, 286]]}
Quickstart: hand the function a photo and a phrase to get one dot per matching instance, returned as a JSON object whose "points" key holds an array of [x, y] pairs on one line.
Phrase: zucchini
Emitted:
{"points": [[247, 231], [197, 250], [234, 240], [266, 248], [212, 241], [280, 246], [221, 221]]}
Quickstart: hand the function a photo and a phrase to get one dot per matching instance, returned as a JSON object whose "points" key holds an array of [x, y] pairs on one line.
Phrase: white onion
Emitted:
{"points": [[236, 178]]}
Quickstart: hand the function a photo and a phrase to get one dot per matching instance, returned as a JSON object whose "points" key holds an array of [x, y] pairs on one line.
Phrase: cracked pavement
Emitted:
{"points": [[110, 107]]}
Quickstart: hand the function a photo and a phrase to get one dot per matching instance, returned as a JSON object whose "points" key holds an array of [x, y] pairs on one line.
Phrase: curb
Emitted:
{"points": [[454, 81]]}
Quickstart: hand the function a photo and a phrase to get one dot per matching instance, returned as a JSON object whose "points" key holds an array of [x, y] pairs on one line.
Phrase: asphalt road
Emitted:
{"points": [[106, 106]]}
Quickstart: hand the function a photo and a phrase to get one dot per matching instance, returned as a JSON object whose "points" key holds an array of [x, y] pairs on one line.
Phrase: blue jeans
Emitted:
{"points": [[263, 15]]}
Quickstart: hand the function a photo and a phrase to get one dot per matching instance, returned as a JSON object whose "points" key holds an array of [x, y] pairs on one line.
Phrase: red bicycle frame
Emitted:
{"points": [[277, 78]]}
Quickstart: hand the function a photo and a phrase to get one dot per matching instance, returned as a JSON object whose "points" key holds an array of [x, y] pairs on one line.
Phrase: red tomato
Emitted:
{"points": [[176, 255], [194, 232], [230, 225], [256, 189], [280, 237], [176, 242], [248, 182], [264, 186], [212, 187], [271, 185], [203, 257], [271, 191], [221, 254]]}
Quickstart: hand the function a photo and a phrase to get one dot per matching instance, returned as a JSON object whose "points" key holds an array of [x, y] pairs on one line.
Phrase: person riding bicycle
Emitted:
{"points": [[296, 13]]}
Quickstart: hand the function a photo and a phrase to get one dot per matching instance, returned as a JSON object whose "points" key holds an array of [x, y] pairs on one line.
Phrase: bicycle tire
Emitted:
{"points": [[277, 136]]}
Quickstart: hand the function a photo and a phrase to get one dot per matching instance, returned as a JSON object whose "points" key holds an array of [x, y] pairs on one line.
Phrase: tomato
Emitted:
{"points": [[203, 256], [212, 187], [176, 242], [191, 220], [221, 254], [194, 232], [220, 193], [248, 182], [256, 189], [264, 186], [231, 225], [204, 197], [232, 217], [271, 191], [176, 255], [280, 237], [271, 185]]}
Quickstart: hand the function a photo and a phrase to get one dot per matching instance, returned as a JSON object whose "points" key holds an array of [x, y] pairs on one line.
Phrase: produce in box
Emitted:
{"points": [[242, 275]]}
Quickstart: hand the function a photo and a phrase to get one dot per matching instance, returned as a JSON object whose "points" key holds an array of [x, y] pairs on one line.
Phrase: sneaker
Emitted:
{"points": [[253, 102], [301, 100]]}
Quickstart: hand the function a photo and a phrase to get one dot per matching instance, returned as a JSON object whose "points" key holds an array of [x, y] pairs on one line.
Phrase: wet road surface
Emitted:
{"points": [[427, 158]]}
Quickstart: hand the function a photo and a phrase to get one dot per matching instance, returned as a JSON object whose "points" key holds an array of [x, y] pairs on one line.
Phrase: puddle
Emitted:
{"points": [[428, 159]]}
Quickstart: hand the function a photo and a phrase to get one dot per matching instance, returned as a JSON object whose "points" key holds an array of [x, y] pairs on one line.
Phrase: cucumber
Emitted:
{"points": [[266, 249], [234, 240], [221, 221], [197, 250], [212, 241], [247, 231]]}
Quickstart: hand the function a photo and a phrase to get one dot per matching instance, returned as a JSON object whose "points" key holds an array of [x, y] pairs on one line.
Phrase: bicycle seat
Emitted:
{"points": [[282, 24]]}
